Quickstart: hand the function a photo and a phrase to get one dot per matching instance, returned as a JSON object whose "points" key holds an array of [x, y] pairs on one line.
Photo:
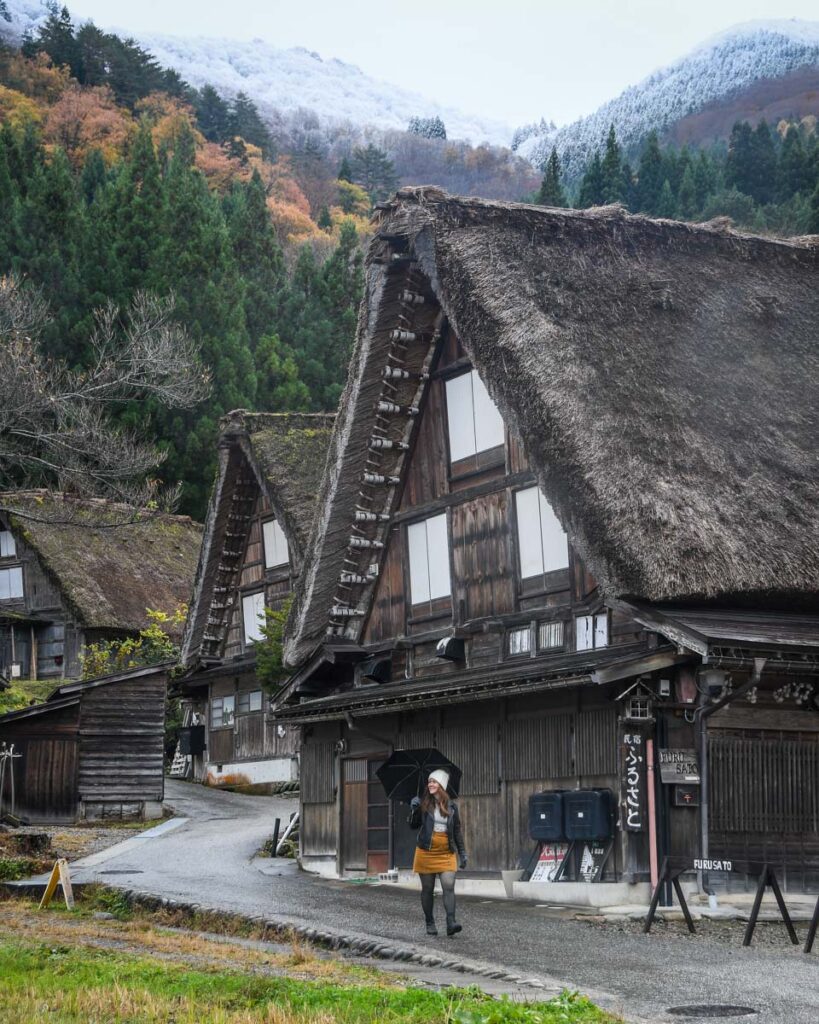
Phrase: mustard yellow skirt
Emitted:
{"points": [[438, 858]]}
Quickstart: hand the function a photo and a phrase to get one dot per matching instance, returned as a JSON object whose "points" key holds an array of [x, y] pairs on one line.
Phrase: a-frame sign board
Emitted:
{"points": [[59, 876]]}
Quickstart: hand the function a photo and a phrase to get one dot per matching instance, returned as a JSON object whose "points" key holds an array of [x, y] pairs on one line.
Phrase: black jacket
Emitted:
{"points": [[425, 823]]}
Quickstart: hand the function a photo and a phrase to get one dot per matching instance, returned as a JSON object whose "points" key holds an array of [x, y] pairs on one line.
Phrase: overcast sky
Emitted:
{"points": [[516, 60]]}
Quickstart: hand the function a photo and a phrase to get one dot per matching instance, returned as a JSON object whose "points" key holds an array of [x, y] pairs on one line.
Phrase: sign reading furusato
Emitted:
{"points": [[679, 766]]}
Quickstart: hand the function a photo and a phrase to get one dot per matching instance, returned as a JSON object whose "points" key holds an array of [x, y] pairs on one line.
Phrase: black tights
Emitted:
{"points": [[448, 887]]}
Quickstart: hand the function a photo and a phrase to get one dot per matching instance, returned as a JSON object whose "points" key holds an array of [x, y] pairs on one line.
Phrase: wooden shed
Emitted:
{"points": [[94, 750]]}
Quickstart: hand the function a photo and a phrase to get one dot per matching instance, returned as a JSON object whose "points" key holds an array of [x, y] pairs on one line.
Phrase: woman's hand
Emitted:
{"points": [[415, 802], [462, 863]]}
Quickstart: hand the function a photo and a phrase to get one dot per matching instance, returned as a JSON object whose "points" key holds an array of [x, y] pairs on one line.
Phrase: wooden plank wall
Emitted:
{"points": [[121, 734], [45, 777]]}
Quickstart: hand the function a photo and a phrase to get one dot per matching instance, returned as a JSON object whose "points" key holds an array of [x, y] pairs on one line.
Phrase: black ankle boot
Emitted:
{"points": [[452, 926], [431, 929]]}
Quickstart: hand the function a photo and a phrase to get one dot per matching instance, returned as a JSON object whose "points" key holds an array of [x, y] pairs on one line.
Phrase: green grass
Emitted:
{"points": [[12, 868], [23, 692], [70, 985]]}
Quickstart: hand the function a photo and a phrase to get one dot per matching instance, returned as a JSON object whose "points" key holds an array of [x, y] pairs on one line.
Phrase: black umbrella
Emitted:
{"points": [[404, 774]]}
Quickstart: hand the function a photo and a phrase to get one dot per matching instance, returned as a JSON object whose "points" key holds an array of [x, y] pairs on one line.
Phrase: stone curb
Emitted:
{"points": [[284, 929]]}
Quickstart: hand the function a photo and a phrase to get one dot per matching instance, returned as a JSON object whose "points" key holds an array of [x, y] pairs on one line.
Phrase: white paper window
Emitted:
{"points": [[222, 711], [591, 631], [8, 549], [550, 634], [542, 543], [475, 425], [250, 701], [276, 551], [253, 616], [11, 583], [520, 641], [428, 559]]}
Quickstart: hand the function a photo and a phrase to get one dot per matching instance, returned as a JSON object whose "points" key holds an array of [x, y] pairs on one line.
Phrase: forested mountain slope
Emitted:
{"points": [[723, 68]]}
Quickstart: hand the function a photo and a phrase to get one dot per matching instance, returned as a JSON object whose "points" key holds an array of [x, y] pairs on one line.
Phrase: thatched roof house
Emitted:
{"points": [[662, 377], [107, 563], [255, 544], [270, 459]]}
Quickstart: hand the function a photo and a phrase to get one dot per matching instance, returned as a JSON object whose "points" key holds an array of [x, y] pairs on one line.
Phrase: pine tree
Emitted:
{"points": [[739, 164], [591, 187], [551, 191], [345, 172], [687, 196], [705, 180], [212, 115], [613, 180], [94, 176], [793, 173], [650, 176], [763, 165], [136, 216], [56, 38], [325, 221], [374, 171], [813, 223], [666, 206], [10, 205], [195, 261], [258, 256], [277, 376], [248, 125]]}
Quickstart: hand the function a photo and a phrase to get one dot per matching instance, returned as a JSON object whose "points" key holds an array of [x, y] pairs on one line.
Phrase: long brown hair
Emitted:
{"points": [[441, 799]]}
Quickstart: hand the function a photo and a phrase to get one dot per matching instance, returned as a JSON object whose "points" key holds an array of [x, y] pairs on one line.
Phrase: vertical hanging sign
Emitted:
{"points": [[633, 784]]}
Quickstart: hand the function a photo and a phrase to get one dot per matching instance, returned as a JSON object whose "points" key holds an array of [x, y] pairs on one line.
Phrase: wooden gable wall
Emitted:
{"points": [[479, 503]]}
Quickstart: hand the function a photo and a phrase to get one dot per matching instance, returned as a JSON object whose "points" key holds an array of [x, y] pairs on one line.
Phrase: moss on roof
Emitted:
{"points": [[291, 450], [109, 570]]}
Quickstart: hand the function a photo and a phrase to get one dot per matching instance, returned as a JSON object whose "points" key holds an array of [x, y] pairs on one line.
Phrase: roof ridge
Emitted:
{"points": [[430, 195], [93, 502]]}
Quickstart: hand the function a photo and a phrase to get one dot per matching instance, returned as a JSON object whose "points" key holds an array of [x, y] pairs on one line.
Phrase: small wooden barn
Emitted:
{"points": [[76, 571], [568, 534], [254, 546], [93, 751]]}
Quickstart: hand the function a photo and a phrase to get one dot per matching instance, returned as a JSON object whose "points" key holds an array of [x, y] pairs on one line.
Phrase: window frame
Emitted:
{"points": [[247, 638], [221, 702], [243, 696], [514, 630], [6, 533], [479, 459], [596, 619], [276, 524], [7, 572], [545, 580], [441, 603]]}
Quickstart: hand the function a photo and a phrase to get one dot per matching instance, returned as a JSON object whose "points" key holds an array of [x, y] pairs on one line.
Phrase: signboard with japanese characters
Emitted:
{"points": [[549, 859], [679, 766], [634, 786]]}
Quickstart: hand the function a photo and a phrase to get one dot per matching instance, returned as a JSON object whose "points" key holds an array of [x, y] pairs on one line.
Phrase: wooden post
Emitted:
{"points": [[812, 930]]}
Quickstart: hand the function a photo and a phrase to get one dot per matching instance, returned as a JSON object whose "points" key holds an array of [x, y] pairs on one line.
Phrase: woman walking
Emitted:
{"points": [[439, 840]]}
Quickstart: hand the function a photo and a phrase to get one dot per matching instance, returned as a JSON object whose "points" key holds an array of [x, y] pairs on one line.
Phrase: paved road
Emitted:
{"points": [[208, 859]]}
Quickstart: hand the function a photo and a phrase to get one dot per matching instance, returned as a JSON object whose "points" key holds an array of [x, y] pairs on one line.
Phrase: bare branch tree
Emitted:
{"points": [[56, 427]]}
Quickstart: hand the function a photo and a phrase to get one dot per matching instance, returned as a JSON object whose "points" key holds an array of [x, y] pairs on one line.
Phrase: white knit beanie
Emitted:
{"points": [[440, 776]]}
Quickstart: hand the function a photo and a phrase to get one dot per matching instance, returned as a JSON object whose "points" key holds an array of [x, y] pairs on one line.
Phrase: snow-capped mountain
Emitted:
{"points": [[722, 66], [286, 80]]}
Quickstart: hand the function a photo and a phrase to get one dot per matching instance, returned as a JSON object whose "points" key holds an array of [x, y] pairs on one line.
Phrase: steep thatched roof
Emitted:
{"points": [[286, 453], [289, 449], [109, 570], [663, 377]]}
